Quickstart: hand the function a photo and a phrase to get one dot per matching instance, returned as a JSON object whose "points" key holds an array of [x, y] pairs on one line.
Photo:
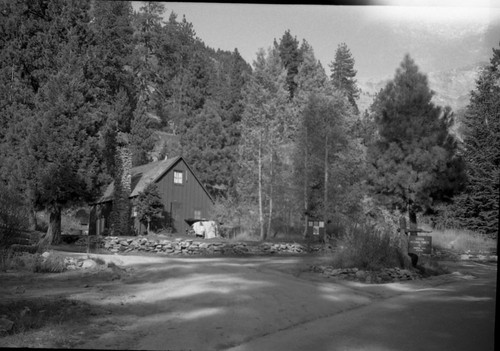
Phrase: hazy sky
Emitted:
{"points": [[437, 37]]}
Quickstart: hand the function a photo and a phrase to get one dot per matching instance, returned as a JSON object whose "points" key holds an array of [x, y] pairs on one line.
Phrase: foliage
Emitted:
{"points": [[263, 128], [343, 73], [235, 215], [148, 204], [325, 121], [53, 263], [366, 248], [413, 164], [291, 58], [142, 138], [462, 240], [276, 142], [58, 160], [205, 144], [13, 216], [478, 207]]}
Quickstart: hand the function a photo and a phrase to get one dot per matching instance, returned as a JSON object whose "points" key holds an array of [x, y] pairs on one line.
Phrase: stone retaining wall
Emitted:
{"points": [[193, 247], [385, 275]]}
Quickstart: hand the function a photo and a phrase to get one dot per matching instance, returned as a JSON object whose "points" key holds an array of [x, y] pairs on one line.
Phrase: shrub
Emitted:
{"points": [[25, 261], [51, 264], [5, 259], [365, 247], [13, 215], [32, 262], [431, 268]]}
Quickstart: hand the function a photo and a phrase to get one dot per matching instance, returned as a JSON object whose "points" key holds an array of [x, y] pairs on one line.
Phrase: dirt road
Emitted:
{"points": [[274, 303], [454, 312]]}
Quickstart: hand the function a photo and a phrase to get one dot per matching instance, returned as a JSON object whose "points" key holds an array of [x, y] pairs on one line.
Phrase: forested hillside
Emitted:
{"points": [[277, 143]]}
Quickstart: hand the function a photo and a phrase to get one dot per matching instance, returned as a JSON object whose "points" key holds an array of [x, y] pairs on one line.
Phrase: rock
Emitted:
{"points": [[464, 257], [360, 275], [89, 264], [384, 276], [46, 254]]}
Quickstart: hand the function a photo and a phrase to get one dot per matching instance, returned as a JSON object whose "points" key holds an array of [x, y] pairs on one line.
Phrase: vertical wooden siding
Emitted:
{"points": [[190, 195]]}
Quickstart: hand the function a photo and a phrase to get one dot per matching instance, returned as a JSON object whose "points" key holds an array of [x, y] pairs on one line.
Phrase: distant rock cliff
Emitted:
{"points": [[452, 87]]}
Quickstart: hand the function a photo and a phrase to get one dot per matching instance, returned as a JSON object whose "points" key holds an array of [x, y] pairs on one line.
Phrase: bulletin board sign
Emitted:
{"points": [[316, 228], [420, 245]]}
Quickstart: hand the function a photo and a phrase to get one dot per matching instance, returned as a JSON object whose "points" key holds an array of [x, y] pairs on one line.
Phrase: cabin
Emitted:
{"points": [[182, 195]]}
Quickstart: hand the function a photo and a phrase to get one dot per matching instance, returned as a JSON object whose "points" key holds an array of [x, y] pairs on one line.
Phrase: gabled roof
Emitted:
{"points": [[142, 176]]}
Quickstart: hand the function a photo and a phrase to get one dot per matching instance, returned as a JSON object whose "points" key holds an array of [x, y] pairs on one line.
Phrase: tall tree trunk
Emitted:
{"points": [[32, 218], [261, 209], [325, 190], [412, 215], [53, 236], [30, 204], [306, 183], [270, 197]]}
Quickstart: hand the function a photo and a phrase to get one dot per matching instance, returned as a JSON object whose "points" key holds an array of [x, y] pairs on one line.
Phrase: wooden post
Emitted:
{"points": [[404, 242], [402, 225]]}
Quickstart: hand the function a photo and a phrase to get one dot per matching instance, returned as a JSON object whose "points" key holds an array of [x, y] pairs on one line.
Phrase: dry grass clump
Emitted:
{"points": [[35, 263], [51, 264], [462, 240], [367, 248]]}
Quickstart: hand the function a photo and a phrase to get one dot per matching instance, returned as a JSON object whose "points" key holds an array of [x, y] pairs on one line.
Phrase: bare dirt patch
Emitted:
{"points": [[158, 302]]}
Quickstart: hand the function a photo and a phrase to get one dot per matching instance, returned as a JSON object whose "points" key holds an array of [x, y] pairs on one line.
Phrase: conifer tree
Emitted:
{"points": [[205, 148], [288, 48], [477, 208], [343, 73], [414, 163], [311, 81]]}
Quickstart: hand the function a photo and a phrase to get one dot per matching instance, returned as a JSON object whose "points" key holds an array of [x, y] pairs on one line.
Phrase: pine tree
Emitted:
{"points": [[288, 48], [205, 148], [63, 149], [477, 208], [311, 81], [343, 73], [51, 97], [414, 163]]}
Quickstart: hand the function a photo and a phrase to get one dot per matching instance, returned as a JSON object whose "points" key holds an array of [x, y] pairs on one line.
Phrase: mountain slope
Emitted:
{"points": [[452, 87]]}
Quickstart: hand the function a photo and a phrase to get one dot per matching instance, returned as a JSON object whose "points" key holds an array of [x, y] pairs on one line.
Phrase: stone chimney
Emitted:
{"points": [[120, 218]]}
